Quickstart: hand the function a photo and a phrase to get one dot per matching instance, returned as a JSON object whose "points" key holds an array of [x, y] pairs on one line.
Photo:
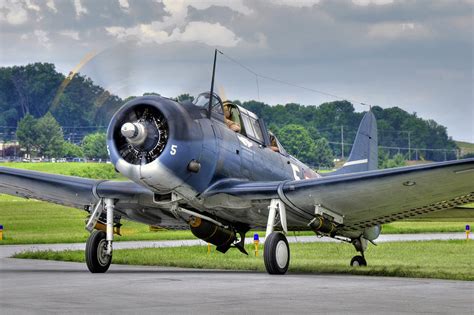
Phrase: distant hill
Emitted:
{"points": [[465, 147]]}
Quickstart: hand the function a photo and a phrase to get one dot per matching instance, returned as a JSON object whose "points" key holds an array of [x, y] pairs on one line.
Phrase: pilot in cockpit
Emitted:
{"points": [[229, 117], [273, 142]]}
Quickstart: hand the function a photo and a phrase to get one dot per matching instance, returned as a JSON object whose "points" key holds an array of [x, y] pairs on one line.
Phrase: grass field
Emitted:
{"points": [[88, 170], [466, 147], [430, 259], [30, 221]]}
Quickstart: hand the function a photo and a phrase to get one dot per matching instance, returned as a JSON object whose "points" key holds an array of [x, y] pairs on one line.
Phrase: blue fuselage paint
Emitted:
{"points": [[222, 153]]}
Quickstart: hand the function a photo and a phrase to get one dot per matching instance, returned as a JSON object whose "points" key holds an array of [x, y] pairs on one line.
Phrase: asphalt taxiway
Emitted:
{"points": [[29, 286], [32, 286]]}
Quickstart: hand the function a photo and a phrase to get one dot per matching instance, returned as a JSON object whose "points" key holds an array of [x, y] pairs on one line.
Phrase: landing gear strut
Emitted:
{"points": [[99, 244], [360, 245], [276, 251]]}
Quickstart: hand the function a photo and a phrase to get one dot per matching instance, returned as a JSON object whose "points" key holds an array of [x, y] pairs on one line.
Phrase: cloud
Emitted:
{"points": [[50, 4], [13, 12], [32, 6], [170, 27], [297, 3], [70, 33], [43, 38], [201, 32], [80, 10], [398, 30], [414, 54], [369, 2], [124, 4]]}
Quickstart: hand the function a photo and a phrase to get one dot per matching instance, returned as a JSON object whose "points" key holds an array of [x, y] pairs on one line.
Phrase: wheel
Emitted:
{"points": [[357, 261], [96, 253], [276, 254]]}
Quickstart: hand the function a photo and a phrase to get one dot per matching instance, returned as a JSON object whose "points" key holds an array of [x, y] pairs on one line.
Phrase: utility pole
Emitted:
{"points": [[342, 142], [409, 145]]}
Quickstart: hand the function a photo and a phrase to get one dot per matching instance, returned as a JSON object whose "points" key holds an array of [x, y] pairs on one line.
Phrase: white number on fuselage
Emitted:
{"points": [[174, 147]]}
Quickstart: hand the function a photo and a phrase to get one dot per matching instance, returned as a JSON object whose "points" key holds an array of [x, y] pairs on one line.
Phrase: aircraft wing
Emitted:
{"points": [[368, 198], [80, 192], [66, 190]]}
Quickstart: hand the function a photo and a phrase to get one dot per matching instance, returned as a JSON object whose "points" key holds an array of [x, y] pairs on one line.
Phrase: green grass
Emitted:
{"points": [[36, 222], [466, 147], [88, 170], [430, 259]]}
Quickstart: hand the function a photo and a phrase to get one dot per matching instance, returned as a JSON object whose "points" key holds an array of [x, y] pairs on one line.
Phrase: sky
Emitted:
{"points": [[417, 54]]}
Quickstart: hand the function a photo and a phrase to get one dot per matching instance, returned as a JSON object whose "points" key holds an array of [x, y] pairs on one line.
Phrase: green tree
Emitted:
{"points": [[71, 150], [324, 156], [297, 141], [95, 146], [50, 136], [27, 133], [398, 160]]}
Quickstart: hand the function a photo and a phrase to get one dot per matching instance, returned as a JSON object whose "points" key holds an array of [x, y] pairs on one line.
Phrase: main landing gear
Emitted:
{"points": [[97, 259], [99, 244], [276, 250]]}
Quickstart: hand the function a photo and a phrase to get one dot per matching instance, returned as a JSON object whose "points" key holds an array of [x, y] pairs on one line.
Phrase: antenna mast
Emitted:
{"points": [[211, 96]]}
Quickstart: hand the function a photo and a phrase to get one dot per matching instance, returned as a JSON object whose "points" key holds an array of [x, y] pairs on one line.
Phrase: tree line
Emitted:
{"points": [[36, 94]]}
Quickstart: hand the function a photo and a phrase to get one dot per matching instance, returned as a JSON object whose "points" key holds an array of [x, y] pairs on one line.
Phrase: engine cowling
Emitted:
{"points": [[152, 140]]}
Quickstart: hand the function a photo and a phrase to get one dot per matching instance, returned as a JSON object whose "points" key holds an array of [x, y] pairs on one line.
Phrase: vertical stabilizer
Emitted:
{"points": [[364, 154]]}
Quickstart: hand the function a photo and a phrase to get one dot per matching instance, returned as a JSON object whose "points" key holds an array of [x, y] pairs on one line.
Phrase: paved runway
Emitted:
{"points": [[31, 286]]}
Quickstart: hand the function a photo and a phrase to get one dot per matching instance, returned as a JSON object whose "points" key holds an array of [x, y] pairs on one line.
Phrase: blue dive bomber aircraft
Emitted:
{"points": [[189, 170]]}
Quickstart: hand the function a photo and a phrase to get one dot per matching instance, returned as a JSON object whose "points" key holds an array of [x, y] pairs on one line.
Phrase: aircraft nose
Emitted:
{"points": [[135, 133], [129, 130]]}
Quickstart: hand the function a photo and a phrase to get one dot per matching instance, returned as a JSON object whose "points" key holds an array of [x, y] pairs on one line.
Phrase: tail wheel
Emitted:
{"points": [[358, 261], [96, 253], [276, 254]]}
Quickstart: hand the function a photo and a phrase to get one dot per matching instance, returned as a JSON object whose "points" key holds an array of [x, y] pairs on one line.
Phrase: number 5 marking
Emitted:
{"points": [[173, 149]]}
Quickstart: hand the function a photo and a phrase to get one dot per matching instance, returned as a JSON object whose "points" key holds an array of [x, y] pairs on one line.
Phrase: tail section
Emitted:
{"points": [[364, 154]]}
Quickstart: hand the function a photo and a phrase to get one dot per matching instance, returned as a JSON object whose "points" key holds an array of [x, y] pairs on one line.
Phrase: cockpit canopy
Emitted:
{"points": [[250, 125]]}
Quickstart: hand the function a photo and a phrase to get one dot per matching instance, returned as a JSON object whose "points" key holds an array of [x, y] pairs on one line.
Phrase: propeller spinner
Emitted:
{"points": [[143, 134]]}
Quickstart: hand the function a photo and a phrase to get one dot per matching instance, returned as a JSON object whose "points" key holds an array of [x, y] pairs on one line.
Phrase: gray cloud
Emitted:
{"points": [[413, 54]]}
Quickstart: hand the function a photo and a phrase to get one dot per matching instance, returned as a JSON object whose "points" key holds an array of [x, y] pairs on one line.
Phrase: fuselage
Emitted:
{"points": [[188, 134], [184, 150]]}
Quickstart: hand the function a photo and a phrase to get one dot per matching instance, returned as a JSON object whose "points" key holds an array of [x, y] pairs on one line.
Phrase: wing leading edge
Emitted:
{"points": [[71, 191]]}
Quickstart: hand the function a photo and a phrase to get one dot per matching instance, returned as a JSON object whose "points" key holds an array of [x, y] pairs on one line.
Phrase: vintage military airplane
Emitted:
{"points": [[213, 167]]}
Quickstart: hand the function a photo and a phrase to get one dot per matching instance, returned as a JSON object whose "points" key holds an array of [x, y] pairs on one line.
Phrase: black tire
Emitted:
{"points": [[358, 261], [96, 258], [276, 254]]}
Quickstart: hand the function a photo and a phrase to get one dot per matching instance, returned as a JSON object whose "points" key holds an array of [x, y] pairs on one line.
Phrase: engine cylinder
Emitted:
{"points": [[212, 233]]}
